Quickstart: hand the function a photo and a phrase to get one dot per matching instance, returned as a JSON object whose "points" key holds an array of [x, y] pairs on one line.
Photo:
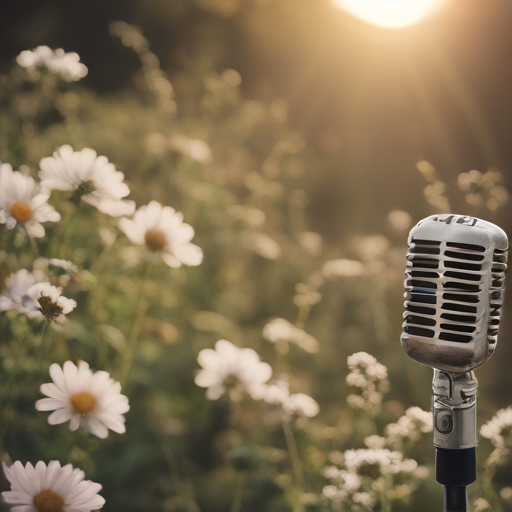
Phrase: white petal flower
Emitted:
{"points": [[278, 393], [49, 302], [299, 403], [162, 229], [58, 62], [50, 488], [499, 428], [343, 268], [93, 177], [194, 149], [280, 329], [16, 296], [89, 400], [23, 200], [230, 367]]}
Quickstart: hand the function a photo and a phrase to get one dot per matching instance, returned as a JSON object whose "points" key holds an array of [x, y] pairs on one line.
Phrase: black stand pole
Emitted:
{"points": [[455, 469]]}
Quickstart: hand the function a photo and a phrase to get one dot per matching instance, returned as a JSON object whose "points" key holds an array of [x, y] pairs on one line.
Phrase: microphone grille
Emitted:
{"points": [[454, 292]]}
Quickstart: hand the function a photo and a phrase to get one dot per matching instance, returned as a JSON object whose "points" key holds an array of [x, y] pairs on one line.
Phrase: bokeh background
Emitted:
{"points": [[324, 123]]}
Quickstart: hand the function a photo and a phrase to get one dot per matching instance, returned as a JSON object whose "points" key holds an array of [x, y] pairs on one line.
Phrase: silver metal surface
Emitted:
{"points": [[454, 291], [454, 410]]}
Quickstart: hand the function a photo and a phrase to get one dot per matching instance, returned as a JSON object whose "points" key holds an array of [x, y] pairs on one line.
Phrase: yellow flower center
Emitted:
{"points": [[48, 501], [21, 212], [48, 308], [155, 239], [83, 402]]}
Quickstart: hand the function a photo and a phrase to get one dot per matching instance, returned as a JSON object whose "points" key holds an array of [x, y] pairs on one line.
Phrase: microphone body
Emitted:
{"points": [[455, 283]]}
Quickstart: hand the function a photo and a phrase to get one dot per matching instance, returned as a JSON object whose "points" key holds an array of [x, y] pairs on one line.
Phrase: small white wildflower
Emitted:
{"points": [[371, 247], [278, 394], [93, 177], [399, 219], [162, 229], [364, 499], [300, 403], [229, 367], [63, 265], [90, 400], [16, 296], [58, 62], [357, 380], [263, 245], [194, 149], [499, 428], [50, 488], [343, 268], [280, 329], [23, 200], [49, 302], [373, 463], [375, 442]]}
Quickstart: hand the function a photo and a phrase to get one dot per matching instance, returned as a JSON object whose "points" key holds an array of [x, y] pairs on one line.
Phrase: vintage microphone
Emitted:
{"points": [[454, 293]]}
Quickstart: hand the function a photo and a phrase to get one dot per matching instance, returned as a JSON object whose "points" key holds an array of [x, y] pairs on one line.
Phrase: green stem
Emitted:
{"points": [[236, 505], [66, 235], [298, 473], [32, 242], [179, 485], [140, 311]]}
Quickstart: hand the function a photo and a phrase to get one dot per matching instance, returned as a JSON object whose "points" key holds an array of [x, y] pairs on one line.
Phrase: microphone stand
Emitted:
{"points": [[455, 437]]}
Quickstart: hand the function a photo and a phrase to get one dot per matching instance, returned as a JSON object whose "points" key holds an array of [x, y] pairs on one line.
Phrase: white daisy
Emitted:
{"points": [[90, 400], [162, 229], [230, 368], [92, 177], [16, 296], [49, 302], [58, 62], [23, 200], [50, 488]]}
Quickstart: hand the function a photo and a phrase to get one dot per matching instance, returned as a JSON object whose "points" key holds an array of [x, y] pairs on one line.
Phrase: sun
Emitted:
{"points": [[389, 13]]}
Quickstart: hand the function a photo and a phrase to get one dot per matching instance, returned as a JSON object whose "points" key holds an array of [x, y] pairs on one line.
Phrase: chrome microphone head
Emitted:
{"points": [[454, 291]]}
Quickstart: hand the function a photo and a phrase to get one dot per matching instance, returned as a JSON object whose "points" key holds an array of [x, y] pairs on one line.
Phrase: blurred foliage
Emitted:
{"points": [[243, 178]]}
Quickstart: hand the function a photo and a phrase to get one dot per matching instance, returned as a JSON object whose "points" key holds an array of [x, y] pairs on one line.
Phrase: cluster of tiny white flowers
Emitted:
{"points": [[415, 422], [279, 329], [58, 62], [373, 463], [344, 490], [357, 484], [278, 393], [499, 428], [370, 378]]}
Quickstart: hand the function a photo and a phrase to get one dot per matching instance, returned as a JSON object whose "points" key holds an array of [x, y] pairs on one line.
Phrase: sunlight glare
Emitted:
{"points": [[388, 13]]}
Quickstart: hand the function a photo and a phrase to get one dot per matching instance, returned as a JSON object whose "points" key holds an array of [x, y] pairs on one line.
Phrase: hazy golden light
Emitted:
{"points": [[389, 13]]}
